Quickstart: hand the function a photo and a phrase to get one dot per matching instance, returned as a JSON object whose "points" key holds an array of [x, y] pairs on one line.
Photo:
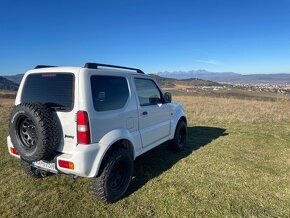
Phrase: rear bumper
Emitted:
{"points": [[86, 159]]}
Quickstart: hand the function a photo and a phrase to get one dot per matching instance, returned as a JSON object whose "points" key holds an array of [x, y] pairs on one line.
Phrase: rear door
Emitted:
{"points": [[56, 90], [154, 117]]}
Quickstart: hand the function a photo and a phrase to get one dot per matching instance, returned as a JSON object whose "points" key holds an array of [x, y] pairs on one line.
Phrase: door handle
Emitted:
{"points": [[145, 113]]}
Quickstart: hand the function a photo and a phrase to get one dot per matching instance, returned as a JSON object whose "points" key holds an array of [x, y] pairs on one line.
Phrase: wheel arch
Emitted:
{"points": [[114, 139], [180, 115], [183, 118], [120, 143]]}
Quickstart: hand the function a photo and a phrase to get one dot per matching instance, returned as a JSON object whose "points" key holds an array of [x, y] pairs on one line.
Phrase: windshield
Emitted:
{"points": [[53, 89]]}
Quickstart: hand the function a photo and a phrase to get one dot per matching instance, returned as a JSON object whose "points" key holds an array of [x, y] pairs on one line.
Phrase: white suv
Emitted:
{"points": [[91, 121]]}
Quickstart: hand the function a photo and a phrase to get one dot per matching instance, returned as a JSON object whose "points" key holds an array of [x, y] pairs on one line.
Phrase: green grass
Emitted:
{"points": [[237, 164]]}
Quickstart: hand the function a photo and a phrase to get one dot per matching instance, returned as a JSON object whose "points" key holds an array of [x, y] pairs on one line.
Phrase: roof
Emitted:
{"points": [[76, 70], [88, 66]]}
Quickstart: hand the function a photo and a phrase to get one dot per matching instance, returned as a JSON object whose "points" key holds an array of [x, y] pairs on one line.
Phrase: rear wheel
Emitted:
{"points": [[32, 171], [178, 143], [115, 176]]}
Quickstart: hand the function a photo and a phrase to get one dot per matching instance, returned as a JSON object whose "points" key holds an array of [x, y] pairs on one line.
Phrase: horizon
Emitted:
{"points": [[245, 37], [206, 71], [156, 73]]}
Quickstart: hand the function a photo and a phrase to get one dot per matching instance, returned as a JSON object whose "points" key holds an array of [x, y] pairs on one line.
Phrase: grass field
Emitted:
{"points": [[237, 164]]}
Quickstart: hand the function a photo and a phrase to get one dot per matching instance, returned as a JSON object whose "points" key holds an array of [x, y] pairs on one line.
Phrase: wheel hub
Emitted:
{"points": [[27, 132], [117, 177]]}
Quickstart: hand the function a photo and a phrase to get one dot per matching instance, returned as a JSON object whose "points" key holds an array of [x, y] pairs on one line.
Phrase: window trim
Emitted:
{"points": [[73, 88], [158, 88], [128, 87]]}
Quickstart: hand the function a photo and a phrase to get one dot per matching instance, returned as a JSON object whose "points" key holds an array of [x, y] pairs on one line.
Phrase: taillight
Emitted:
{"points": [[66, 164], [13, 151], [83, 128]]}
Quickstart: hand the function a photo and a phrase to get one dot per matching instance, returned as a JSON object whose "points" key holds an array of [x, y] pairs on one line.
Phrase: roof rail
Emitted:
{"points": [[42, 66], [97, 65]]}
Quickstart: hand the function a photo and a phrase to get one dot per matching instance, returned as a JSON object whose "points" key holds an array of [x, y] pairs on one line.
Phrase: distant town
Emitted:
{"points": [[281, 89], [263, 87]]}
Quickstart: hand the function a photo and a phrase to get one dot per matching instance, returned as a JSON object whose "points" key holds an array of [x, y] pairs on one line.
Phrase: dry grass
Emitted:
{"points": [[228, 110], [7, 94], [236, 165], [5, 108]]}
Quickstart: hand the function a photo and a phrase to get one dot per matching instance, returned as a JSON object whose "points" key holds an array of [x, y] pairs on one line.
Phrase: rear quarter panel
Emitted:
{"points": [[105, 124]]}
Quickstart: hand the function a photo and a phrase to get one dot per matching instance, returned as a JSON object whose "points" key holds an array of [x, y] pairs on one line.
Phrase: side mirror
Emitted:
{"points": [[167, 97]]}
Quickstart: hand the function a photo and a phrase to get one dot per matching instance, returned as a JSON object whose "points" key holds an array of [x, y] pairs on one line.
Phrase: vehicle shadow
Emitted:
{"points": [[160, 159]]}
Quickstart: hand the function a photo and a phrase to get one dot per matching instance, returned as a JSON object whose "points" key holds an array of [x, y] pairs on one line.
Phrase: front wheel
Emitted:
{"points": [[178, 143], [115, 176]]}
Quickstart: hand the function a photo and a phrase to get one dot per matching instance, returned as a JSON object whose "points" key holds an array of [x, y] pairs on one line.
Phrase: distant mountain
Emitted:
{"points": [[6, 84], [229, 77], [282, 78], [15, 78]]}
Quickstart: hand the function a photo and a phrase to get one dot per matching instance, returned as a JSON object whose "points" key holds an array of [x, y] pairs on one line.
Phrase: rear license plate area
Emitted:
{"points": [[47, 166]]}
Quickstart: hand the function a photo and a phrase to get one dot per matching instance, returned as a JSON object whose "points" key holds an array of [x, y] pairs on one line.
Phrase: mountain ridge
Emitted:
{"points": [[14, 78], [229, 77], [6, 84]]}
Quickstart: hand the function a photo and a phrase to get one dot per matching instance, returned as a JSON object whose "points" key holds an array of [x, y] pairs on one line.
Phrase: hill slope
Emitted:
{"points": [[6, 84], [170, 82], [15, 78]]}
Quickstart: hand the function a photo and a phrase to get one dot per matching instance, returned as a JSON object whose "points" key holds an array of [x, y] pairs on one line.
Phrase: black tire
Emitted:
{"points": [[115, 176], [32, 171], [178, 143], [34, 130]]}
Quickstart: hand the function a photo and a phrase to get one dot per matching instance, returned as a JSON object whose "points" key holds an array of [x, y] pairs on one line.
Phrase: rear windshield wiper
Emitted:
{"points": [[56, 106], [60, 108]]}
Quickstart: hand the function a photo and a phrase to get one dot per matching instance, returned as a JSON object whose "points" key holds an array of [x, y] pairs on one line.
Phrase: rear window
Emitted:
{"points": [[109, 92], [53, 89]]}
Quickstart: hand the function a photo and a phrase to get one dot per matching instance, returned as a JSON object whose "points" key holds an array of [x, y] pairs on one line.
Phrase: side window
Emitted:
{"points": [[147, 91], [109, 92]]}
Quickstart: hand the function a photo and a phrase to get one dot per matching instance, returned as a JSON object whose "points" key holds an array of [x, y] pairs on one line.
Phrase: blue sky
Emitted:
{"points": [[245, 36]]}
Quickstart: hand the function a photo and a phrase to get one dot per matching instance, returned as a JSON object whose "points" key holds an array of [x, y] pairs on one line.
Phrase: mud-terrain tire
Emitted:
{"points": [[178, 143], [115, 176], [35, 131], [32, 171]]}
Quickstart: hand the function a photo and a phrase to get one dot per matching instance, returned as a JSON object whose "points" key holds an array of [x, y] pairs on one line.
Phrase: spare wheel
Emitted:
{"points": [[34, 130]]}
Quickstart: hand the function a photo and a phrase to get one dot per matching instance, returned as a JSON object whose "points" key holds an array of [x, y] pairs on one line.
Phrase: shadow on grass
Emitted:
{"points": [[160, 159]]}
